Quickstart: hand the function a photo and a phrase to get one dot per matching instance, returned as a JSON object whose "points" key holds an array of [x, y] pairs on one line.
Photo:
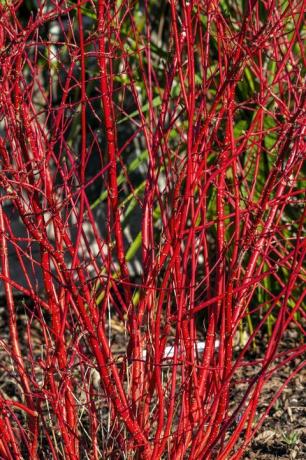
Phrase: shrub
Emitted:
{"points": [[152, 203]]}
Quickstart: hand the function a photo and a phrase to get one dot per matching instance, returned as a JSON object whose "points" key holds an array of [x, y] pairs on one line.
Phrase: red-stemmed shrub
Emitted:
{"points": [[151, 223]]}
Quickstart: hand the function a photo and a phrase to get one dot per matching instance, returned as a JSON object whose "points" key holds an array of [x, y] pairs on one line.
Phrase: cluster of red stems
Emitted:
{"points": [[214, 225]]}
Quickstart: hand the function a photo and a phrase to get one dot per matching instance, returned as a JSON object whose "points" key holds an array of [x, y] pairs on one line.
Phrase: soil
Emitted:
{"points": [[282, 435]]}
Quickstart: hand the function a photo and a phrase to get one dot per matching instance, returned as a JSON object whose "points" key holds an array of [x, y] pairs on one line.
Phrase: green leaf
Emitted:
{"points": [[135, 245], [271, 137], [155, 103], [240, 128], [250, 80], [133, 166]]}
